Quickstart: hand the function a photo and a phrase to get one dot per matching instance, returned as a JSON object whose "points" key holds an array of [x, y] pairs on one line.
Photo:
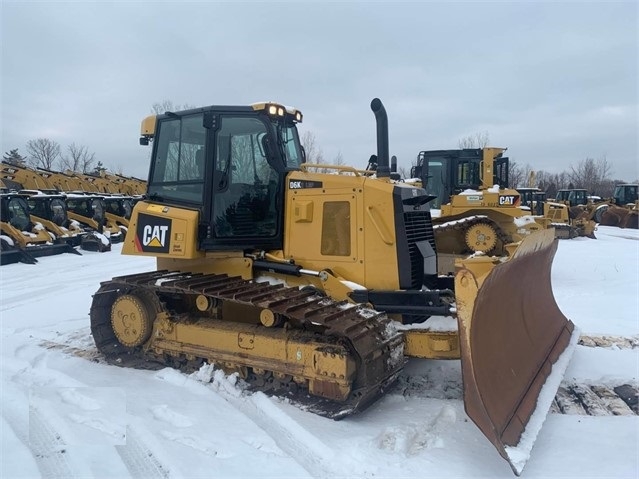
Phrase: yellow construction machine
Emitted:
{"points": [[22, 237], [24, 177], [622, 209], [49, 208], [118, 209], [318, 286], [566, 226], [478, 212], [619, 210], [90, 211]]}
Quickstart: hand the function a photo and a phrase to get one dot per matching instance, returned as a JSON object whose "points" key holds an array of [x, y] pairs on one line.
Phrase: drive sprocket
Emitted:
{"points": [[481, 237]]}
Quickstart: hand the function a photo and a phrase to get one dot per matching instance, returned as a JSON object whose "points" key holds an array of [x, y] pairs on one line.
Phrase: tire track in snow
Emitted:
{"points": [[299, 444], [59, 454], [139, 458], [49, 449], [35, 436], [46, 445]]}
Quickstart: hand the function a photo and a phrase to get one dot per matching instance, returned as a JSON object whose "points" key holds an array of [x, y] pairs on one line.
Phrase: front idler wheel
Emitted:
{"points": [[131, 320]]}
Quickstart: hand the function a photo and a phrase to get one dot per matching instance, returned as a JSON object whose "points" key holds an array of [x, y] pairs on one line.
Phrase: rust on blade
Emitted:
{"points": [[511, 334]]}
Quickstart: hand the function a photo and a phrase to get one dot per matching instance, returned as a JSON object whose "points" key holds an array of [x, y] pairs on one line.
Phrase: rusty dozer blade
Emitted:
{"points": [[515, 344]]}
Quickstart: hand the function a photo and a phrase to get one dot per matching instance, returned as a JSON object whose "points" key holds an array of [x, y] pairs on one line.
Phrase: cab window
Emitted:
{"points": [[178, 169], [245, 184]]}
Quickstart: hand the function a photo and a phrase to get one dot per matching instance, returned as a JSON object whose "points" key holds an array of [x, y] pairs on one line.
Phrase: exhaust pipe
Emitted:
{"points": [[393, 164], [383, 169]]}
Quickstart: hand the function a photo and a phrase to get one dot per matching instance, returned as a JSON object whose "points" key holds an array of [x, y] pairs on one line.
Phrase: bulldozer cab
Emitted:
{"points": [[562, 196], [229, 163], [625, 194], [578, 197], [445, 173], [534, 199]]}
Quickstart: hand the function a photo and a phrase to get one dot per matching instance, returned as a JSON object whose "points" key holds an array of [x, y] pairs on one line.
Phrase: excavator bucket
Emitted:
{"points": [[515, 344]]}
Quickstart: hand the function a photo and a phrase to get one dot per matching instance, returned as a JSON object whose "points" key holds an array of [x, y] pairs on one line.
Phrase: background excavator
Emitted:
{"points": [[318, 286]]}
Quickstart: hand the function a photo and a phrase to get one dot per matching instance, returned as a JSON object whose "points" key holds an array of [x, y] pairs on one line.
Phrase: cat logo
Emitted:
{"points": [[153, 234], [508, 200]]}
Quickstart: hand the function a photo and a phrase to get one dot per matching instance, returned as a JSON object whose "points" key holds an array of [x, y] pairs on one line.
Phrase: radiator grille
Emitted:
{"points": [[419, 227]]}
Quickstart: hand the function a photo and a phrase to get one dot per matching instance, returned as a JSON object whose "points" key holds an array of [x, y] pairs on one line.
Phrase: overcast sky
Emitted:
{"points": [[553, 82]]}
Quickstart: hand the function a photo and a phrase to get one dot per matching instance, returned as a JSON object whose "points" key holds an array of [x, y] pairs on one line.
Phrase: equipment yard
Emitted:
{"points": [[67, 413]]}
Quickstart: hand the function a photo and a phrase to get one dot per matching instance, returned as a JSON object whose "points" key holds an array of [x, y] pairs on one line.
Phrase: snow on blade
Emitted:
{"points": [[518, 455]]}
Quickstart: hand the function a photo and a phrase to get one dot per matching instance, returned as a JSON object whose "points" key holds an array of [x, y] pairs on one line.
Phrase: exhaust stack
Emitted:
{"points": [[383, 168]]}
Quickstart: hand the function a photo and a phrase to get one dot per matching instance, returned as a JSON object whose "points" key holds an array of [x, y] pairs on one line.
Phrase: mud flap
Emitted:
{"points": [[513, 338]]}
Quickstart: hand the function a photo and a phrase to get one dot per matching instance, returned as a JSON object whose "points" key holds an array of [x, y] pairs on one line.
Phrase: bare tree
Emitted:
{"points": [[542, 180], [519, 176], [403, 172], [313, 152], [590, 174], [43, 152], [607, 188], [339, 159], [78, 159], [478, 140], [14, 158]]}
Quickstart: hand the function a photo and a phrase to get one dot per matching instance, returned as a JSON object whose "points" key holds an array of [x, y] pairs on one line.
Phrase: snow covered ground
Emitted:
{"points": [[66, 415]]}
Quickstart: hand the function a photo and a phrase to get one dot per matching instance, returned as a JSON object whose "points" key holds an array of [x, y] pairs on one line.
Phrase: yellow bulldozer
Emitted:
{"points": [[477, 211], [318, 286], [566, 225]]}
